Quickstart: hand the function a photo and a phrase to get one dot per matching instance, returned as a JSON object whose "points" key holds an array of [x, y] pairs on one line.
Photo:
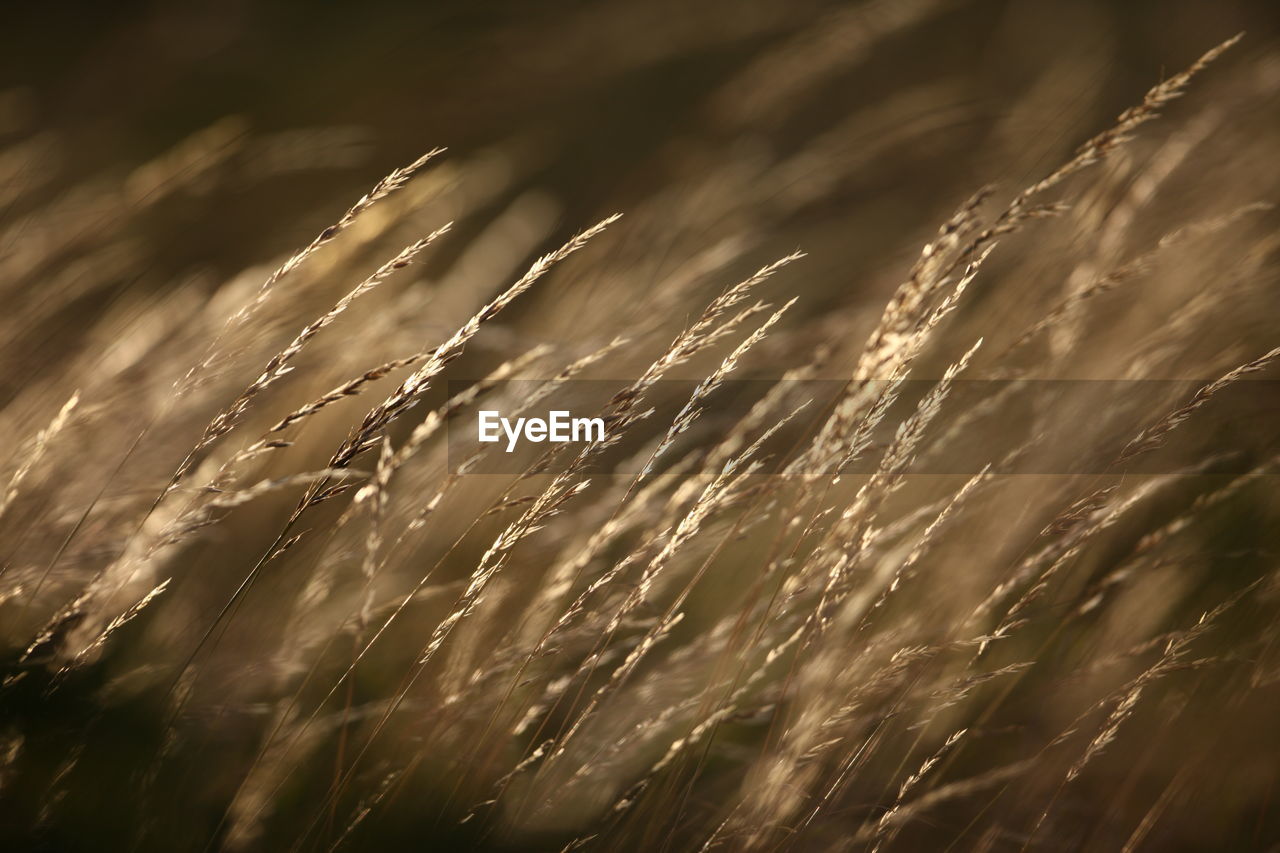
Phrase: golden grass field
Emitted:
{"points": [[1008, 582]]}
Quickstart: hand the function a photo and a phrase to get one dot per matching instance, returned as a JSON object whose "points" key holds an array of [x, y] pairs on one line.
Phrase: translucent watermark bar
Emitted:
{"points": [[1008, 426]]}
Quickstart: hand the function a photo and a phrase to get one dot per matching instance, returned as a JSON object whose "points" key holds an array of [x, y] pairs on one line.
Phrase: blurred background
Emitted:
{"points": [[904, 107]]}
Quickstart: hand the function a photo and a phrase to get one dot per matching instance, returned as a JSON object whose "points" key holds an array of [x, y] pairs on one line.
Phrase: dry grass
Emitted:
{"points": [[264, 614]]}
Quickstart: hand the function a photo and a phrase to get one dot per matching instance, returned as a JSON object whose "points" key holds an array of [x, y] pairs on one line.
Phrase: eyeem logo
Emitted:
{"points": [[559, 427]]}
